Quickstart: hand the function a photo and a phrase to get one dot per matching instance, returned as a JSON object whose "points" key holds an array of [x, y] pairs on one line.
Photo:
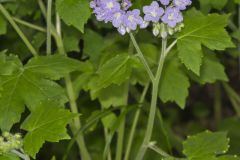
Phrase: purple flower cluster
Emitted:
{"points": [[170, 15], [118, 14], [167, 12]]}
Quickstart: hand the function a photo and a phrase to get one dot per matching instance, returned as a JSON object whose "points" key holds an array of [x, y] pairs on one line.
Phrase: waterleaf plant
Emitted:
{"points": [[77, 82]]}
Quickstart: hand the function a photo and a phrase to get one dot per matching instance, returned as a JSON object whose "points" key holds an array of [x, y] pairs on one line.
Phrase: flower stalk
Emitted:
{"points": [[154, 98]]}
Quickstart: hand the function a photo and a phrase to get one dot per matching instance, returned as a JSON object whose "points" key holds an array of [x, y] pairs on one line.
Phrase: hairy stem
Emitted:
{"points": [[76, 125], [106, 134], [120, 140], [153, 107], [121, 130], [141, 57], [49, 24], [134, 125], [18, 30]]}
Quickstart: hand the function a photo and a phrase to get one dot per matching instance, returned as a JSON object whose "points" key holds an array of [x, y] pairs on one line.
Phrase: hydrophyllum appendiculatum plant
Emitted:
{"points": [[187, 41]]}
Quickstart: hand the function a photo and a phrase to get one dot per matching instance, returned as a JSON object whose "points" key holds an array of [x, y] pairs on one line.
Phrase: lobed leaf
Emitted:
{"points": [[46, 123], [31, 84], [201, 30], [174, 84], [206, 144]]}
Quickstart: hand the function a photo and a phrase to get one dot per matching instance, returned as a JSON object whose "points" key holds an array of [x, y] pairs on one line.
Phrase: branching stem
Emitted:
{"points": [[141, 57], [18, 30], [134, 125], [153, 107]]}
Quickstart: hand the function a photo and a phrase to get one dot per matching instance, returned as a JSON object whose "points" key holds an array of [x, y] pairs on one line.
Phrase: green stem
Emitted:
{"points": [[49, 24], [135, 121], [162, 152], [153, 106], [42, 8], [21, 155], [29, 25], [76, 122], [120, 140], [18, 30], [121, 130], [159, 150], [141, 57], [76, 125], [106, 134]]}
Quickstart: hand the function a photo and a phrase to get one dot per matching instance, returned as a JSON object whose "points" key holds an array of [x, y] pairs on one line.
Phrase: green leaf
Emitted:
{"points": [[46, 123], [229, 157], [201, 30], [71, 39], [109, 120], [216, 4], [31, 84], [174, 84], [115, 71], [55, 67], [93, 51], [74, 12], [185, 50], [231, 125], [211, 70], [206, 144], [113, 95]]}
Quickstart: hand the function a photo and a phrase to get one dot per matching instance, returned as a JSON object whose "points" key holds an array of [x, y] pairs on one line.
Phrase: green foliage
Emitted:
{"points": [[31, 84], [206, 5], [206, 145], [201, 30], [46, 123], [74, 12], [115, 71], [93, 51], [211, 70], [172, 90], [108, 78]]}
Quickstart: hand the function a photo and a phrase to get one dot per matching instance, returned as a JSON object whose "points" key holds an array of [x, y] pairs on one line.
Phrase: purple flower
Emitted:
{"points": [[172, 16], [104, 9], [165, 2], [132, 19], [110, 5], [182, 4], [117, 20], [144, 24], [153, 12], [126, 4], [122, 30], [94, 4]]}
